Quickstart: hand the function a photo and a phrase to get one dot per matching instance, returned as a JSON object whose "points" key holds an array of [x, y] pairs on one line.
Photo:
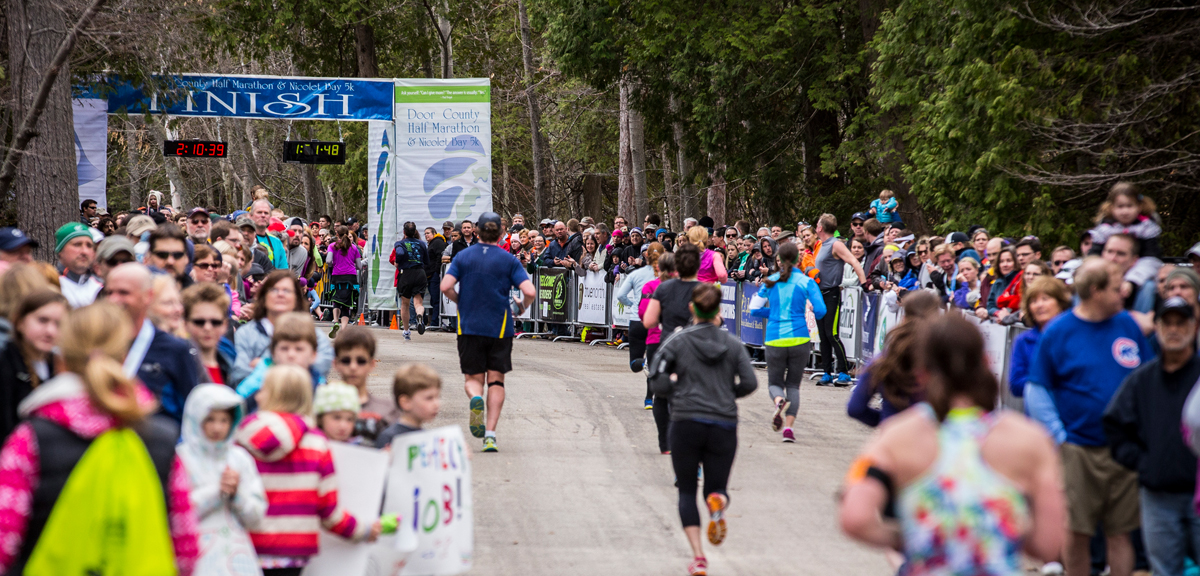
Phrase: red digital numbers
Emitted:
{"points": [[194, 149]]}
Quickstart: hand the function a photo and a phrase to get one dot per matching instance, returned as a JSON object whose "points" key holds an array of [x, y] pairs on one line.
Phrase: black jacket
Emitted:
{"points": [[713, 370], [1143, 426], [15, 384], [433, 268]]}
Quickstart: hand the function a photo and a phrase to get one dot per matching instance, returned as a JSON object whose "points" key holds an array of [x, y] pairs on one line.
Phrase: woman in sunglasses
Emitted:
{"points": [[205, 314]]}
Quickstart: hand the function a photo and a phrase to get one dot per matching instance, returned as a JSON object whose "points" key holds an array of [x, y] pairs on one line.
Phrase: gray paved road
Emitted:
{"points": [[580, 488]]}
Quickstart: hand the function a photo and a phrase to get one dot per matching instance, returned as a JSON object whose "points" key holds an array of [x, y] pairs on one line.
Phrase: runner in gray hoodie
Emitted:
{"points": [[703, 370]]}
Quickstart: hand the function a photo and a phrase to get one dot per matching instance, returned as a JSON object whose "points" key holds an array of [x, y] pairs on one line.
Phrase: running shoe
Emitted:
{"points": [[826, 380], [407, 335], [649, 404], [780, 408], [477, 429], [420, 325], [334, 331], [788, 435], [489, 444], [637, 364], [843, 380], [717, 503], [1052, 569], [698, 567]]}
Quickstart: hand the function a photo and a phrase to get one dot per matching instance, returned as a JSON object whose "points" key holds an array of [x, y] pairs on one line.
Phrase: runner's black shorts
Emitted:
{"points": [[411, 282], [478, 354]]}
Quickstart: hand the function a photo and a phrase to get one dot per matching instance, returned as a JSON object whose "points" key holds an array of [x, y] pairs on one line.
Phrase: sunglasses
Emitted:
{"points": [[206, 266], [349, 360], [856, 223], [114, 262], [731, 235], [922, 252], [202, 322], [169, 255], [1060, 262]]}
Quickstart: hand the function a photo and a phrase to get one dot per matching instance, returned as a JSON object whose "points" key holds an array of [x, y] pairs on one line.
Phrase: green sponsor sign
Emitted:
{"points": [[553, 294], [440, 94]]}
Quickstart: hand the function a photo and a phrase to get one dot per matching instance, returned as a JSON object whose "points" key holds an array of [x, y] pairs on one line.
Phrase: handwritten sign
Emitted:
{"points": [[429, 486]]}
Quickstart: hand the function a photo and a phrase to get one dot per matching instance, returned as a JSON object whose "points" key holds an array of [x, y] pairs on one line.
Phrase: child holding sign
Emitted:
{"points": [[288, 451], [418, 392]]}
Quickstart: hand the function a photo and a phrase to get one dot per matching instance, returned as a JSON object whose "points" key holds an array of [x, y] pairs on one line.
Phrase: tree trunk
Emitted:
{"points": [[637, 153], [716, 195], [689, 200], [45, 183], [171, 165], [626, 205], [535, 114], [442, 26], [593, 196], [670, 194], [251, 155], [364, 48], [132, 144]]}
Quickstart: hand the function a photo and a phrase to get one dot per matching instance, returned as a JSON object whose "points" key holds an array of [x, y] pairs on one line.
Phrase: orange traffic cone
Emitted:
{"points": [[361, 321], [393, 326]]}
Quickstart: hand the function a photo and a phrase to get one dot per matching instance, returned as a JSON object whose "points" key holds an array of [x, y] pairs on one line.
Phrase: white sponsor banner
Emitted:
{"points": [[592, 298], [622, 314], [995, 344], [91, 149], [429, 486], [382, 226], [850, 321], [515, 294], [360, 477], [443, 150]]}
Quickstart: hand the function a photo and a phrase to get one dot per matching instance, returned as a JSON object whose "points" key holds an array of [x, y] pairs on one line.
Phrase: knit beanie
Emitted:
{"points": [[335, 397]]}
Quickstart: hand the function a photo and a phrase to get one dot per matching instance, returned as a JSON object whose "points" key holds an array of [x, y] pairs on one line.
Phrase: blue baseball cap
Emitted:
{"points": [[13, 238]]}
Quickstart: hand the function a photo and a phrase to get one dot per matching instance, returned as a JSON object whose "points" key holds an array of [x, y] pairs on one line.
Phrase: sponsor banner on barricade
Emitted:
{"points": [[995, 345], [553, 293], [591, 295], [729, 302], [622, 314], [870, 306], [886, 320], [429, 487], [449, 308], [850, 322], [751, 329]]}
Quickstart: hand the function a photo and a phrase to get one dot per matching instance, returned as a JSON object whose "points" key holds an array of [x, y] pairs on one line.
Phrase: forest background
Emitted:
{"points": [[1017, 116]]}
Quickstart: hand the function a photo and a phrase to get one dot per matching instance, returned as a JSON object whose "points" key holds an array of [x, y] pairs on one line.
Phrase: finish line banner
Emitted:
{"points": [[443, 150], [263, 97]]}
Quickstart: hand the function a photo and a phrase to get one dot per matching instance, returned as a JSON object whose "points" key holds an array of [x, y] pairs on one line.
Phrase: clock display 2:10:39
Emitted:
{"points": [[196, 149]]}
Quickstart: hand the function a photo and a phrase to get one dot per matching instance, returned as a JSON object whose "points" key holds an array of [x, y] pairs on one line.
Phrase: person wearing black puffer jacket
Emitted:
{"points": [[433, 272], [703, 369]]}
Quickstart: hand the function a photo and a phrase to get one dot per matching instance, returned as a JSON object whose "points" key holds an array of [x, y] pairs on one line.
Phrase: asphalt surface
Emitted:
{"points": [[580, 488]]}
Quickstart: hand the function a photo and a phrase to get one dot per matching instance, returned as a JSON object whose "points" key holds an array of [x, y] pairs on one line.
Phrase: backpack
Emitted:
{"points": [[111, 516]]}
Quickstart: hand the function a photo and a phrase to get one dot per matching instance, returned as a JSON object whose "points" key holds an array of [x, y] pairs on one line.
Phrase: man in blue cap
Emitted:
{"points": [[484, 275], [76, 253], [15, 246]]}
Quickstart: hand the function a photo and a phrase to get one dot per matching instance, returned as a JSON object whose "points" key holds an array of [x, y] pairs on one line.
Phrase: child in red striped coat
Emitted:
{"points": [[297, 472]]}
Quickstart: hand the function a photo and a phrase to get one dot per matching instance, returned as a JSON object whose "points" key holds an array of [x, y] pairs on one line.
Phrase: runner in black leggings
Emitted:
{"points": [[703, 370]]}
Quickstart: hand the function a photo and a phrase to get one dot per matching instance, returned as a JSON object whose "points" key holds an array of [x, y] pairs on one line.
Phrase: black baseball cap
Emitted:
{"points": [[1176, 305], [487, 217]]}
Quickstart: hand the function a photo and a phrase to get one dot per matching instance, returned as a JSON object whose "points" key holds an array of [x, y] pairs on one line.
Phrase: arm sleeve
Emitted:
{"points": [[760, 303], [859, 406], [1121, 425], [623, 291], [206, 499], [1040, 406], [1144, 270], [185, 529], [818, 301], [1018, 371], [19, 476], [747, 379], [960, 298], [891, 204], [250, 502], [993, 294]]}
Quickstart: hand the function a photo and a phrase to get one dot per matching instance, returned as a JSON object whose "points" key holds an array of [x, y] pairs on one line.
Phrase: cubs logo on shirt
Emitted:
{"points": [[1125, 352]]}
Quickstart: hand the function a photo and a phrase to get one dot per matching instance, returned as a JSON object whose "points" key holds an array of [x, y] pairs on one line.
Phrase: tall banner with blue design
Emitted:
{"points": [[382, 221], [91, 149], [443, 150]]}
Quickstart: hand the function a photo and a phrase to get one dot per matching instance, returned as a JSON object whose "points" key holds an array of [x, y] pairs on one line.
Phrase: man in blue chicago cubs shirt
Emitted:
{"points": [[1081, 360]]}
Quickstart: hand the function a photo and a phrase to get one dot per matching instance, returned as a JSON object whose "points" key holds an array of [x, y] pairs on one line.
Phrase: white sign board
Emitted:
{"points": [[622, 315], [449, 307], [850, 321], [429, 486], [592, 298], [383, 230], [91, 149], [360, 476], [995, 345]]}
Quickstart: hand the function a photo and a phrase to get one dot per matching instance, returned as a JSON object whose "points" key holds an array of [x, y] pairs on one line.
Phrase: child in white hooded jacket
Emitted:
{"points": [[227, 492]]}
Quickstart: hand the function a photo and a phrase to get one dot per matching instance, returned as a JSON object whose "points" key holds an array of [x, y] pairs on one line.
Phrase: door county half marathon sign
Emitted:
{"points": [[266, 97]]}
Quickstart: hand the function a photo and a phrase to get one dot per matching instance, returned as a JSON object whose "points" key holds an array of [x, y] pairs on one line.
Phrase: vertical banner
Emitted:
{"points": [[850, 322], [751, 329], [553, 295], [429, 487], [381, 213], [870, 321], [443, 150], [622, 314], [729, 295], [592, 297], [91, 149]]}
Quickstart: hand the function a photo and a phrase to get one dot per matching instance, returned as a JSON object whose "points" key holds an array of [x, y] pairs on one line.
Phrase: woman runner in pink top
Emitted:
{"points": [[662, 413]]}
